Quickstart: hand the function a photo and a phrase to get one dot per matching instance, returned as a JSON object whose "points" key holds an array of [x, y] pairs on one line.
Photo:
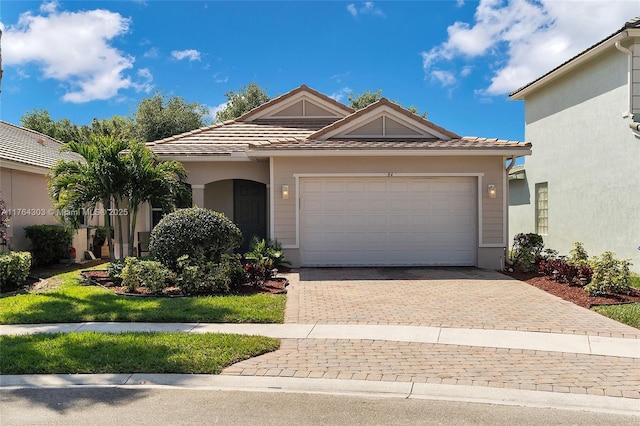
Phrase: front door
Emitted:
{"points": [[250, 210]]}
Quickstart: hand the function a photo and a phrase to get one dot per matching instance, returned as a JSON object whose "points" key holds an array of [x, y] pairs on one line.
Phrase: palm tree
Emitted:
{"points": [[152, 181], [118, 174], [81, 186]]}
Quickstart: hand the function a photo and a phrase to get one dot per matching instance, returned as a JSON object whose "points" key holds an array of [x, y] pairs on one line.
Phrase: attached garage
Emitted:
{"points": [[388, 221]]}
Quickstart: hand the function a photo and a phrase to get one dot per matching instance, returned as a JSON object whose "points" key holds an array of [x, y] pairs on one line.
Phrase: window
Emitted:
{"points": [[542, 208]]}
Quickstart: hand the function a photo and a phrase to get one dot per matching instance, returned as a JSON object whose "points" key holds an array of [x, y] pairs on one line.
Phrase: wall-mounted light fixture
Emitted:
{"points": [[491, 190], [285, 192]]}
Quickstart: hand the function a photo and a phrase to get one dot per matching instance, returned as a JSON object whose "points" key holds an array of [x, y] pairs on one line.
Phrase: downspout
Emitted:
{"points": [[505, 257], [635, 126]]}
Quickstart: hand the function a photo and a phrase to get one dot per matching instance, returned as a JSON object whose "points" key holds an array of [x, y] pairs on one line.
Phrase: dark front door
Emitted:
{"points": [[250, 210]]}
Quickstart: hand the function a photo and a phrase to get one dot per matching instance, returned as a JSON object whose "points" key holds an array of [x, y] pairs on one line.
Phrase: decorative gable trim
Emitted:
{"points": [[302, 102], [383, 119]]}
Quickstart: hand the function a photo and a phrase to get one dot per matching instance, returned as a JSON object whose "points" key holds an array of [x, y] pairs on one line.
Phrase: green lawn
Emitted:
{"points": [[74, 302], [627, 314], [92, 353]]}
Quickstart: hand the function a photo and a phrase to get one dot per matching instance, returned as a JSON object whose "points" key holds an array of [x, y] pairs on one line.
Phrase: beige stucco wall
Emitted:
{"points": [[201, 173], [585, 151], [491, 169], [27, 199]]}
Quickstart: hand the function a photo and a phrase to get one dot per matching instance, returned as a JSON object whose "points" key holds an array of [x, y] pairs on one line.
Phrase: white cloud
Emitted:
{"points": [[466, 70], [147, 78], [340, 94], [366, 8], [152, 53], [213, 110], [49, 6], [445, 78], [339, 78], [523, 39], [73, 48], [459, 3], [190, 54]]}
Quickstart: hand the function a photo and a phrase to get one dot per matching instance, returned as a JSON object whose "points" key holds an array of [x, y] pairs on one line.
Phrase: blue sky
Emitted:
{"points": [[456, 59]]}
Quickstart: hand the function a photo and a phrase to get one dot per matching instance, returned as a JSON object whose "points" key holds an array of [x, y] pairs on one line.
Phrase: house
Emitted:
{"points": [[337, 187], [583, 182], [25, 159]]}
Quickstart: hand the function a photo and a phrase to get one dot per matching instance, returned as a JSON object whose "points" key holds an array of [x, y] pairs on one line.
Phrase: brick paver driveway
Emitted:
{"points": [[447, 298], [438, 297]]}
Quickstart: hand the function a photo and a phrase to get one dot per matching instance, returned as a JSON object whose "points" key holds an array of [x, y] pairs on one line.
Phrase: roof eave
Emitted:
{"points": [[389, 153]]}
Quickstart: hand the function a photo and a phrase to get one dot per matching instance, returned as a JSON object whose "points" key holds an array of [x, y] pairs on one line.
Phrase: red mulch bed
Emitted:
{"points": [[573, 293], [101, 278]]}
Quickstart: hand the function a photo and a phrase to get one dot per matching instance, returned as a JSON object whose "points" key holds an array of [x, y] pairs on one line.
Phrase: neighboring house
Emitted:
{"points": [[583, 181], [336, 187], [25, 159]]}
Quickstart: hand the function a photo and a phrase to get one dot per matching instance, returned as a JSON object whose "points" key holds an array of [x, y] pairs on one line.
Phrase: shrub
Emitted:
{"points": [[579, 256], [526, 251], [49, 243], [264, 259], [559, 269], [115, 270], [200, 277], [201, 234], [150, 274], [610, 275], [14, 269]]}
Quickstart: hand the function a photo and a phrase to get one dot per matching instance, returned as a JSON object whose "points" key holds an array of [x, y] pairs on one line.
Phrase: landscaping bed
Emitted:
{"points": [[102, 278], [574, 293]]}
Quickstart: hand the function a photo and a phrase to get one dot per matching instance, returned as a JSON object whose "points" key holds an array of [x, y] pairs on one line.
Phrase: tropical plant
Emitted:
{"points": [[526, 251], [264, 259], [610, 275], [14, 269], [150, 180], [149, 274], [49, 243], [578, 255], [201, 234], [96, 181]]}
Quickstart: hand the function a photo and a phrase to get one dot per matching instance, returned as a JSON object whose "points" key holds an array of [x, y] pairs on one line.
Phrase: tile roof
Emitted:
{"points": [[30, 147], [233, 136], [466, 143], [237, 136]]}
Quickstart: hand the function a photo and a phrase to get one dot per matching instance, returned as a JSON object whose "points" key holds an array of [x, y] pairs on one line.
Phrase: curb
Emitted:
{"points": [[362, 388]]}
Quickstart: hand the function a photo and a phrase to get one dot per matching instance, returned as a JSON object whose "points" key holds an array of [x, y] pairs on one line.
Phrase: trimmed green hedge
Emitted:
{"points": [[49, 243], [201, 234], [14, 269]]}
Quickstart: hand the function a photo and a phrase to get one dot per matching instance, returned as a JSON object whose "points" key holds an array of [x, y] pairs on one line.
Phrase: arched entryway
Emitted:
{"points": [[244, 202]]}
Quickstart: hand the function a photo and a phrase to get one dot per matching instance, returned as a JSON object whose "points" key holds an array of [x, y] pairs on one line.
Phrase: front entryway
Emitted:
{"points": [[250, 210]]}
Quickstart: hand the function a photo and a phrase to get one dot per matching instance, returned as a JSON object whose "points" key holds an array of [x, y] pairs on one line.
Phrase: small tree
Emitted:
{"points": [[526, 251], [246, 99]]}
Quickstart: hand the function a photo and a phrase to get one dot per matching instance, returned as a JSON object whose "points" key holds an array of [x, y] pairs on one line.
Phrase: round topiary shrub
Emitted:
{"points": [[196, 232]]}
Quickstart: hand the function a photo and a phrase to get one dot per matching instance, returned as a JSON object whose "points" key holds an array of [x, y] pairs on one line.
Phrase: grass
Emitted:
{"points": [[73, 302], [627, 314], [94, 353]]}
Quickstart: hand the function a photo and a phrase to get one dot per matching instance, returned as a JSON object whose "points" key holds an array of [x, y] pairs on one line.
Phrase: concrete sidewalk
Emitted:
{"points": [[505, 339]]}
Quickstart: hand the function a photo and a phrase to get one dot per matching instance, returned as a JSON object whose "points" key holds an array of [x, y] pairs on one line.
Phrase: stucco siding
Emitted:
{"points": [[202, 173], [490, 170], [585, 151], [28, 201]]}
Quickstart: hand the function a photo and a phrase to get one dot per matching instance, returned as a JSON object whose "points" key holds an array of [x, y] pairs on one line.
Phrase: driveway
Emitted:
{"points": [[438, 297], [448, 298]]}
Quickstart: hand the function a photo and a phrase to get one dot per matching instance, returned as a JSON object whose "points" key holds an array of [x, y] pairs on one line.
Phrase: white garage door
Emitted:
{"points": [[366, 221]]}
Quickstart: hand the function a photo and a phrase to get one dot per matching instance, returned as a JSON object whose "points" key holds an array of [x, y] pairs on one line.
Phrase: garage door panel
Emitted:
{"points": [[388, 221]]}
